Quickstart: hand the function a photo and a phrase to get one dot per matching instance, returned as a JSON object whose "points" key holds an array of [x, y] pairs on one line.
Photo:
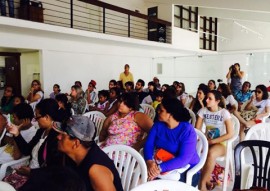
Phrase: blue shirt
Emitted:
{"points": [[180, 141], [243, 97]]}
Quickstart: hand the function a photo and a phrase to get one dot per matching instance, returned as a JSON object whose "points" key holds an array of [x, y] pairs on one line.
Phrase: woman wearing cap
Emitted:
{"points": [[78, 103], [127, 126], [94, 166], [90, 95], [43, 146]]}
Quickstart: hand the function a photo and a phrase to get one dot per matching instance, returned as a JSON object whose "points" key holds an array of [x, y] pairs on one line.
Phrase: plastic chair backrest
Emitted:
{"points": [[162, 185], [6, 187], [14, 164], [260, 151], [129, 163], [202, 150], [260, 131], [193, 117], [98, 119], [149, 110]]}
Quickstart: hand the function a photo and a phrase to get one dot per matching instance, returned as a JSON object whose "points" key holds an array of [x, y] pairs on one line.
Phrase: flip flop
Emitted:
{"points": [[211, 186]]}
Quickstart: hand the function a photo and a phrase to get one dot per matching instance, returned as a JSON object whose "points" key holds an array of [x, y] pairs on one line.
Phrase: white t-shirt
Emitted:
{"points": [[261, 105], [7, 150], [230, 100], [214, 121]]}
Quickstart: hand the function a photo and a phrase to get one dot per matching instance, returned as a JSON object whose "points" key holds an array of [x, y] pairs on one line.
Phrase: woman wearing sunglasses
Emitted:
{"points": [[260, 105]]}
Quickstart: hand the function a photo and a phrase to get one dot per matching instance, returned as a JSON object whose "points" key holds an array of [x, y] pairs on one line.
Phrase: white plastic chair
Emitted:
{"points": [[202, 150], [229, 160], [129, 163], [162, 185], [3, 134], [148, 110], [13, 164], [193, 117], [6, 187], [98, 119]]}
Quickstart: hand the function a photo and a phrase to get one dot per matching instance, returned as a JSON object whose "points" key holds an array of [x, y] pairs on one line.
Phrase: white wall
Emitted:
{"points": [[30, 64], [240, 40], [185, 39]]}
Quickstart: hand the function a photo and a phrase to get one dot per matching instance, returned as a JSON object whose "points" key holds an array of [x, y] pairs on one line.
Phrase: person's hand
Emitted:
{"points": [[24, 170], [32, 89], [153, 170], [236, 67], [13, 129], [210, 141]]}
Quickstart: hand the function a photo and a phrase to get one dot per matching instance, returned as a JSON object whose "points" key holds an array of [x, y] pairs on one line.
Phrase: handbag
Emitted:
{"points": [[248, 114]]}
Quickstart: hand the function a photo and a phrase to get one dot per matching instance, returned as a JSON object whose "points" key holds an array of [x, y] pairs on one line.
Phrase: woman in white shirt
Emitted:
{"points": [[229, 101], [260, 102], [218, 130], [36, 93]]}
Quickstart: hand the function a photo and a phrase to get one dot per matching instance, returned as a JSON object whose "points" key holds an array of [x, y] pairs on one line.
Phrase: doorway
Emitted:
{"points": [[12, 71]]}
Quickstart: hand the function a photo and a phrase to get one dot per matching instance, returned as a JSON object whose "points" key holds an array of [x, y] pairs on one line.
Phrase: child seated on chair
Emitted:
{"points": [[22, 116], [102, 103], [158, 99]]}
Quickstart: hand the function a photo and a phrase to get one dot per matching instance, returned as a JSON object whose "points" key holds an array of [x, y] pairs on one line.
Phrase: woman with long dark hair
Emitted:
{"points": [[36, 94]]}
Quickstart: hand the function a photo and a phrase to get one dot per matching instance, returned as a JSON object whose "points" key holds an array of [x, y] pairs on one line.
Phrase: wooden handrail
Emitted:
{"points": [[126, 11]]}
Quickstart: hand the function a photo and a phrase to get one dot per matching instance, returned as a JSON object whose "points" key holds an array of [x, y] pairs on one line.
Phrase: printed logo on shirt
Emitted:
{"points": [[213, 117]]}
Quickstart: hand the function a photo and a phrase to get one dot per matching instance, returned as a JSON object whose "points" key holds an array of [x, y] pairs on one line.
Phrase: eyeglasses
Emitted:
{"points": [[37, 118]]}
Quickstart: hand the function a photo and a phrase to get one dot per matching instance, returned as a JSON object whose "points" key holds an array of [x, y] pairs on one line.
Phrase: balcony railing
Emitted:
{"points": [[95, 16]]}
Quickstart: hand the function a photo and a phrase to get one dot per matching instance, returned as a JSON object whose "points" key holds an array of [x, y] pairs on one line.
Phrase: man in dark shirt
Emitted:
{"points": [[139, 90], [94, 166]]}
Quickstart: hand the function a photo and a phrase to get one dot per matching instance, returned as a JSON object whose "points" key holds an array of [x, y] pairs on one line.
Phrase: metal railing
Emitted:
{"points": [[95, 16]]}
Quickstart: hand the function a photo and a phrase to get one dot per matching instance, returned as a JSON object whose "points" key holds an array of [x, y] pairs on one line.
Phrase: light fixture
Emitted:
{"points": [[247, 30]]}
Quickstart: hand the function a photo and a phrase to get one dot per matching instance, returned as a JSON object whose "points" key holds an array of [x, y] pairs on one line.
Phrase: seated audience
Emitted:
{"points": [[120, 86], [164, 87], [174, 135], [64, 107], [139, 90], [54, 178], [200, 100], [22, 116], [181, 94], [159, 97], [36, 94], [257, 108], [18, 99], [151, 94], [243, 95], [78, 103], [228, 99], [219, 129], [42, 147], [103, 103], [126, 126], [90, 95], [129, 87], [96, 169], [7, 100], [112, 84], [56, 91], [212, 85], [157, 84], [113, 102]]}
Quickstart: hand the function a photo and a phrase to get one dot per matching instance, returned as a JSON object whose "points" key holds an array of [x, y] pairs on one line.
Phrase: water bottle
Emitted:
{"points": [[9, 123]]}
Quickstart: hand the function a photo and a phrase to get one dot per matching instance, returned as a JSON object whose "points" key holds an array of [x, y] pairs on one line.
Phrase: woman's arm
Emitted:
{"points": [[145, 123], [32, 98], [225, 137], [192, 104], [266, 113], [104, 131], [199, 123], [112, 110], [228, 76]]}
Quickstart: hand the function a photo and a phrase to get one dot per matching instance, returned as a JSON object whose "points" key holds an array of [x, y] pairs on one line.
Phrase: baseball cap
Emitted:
{"points": [[93, 82], [78, 126]]}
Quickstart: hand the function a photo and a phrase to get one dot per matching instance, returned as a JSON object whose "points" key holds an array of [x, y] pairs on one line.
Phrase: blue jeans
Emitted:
{"points": [[195, 179], [10, 7]]}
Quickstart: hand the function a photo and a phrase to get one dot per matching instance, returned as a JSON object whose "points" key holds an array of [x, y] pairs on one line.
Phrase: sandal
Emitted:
{"points": [[211, 186]]}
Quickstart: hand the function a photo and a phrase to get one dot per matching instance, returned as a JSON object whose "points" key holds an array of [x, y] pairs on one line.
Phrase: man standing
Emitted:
{"points": [[93, 165], [126, 76], [139, 89]]}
